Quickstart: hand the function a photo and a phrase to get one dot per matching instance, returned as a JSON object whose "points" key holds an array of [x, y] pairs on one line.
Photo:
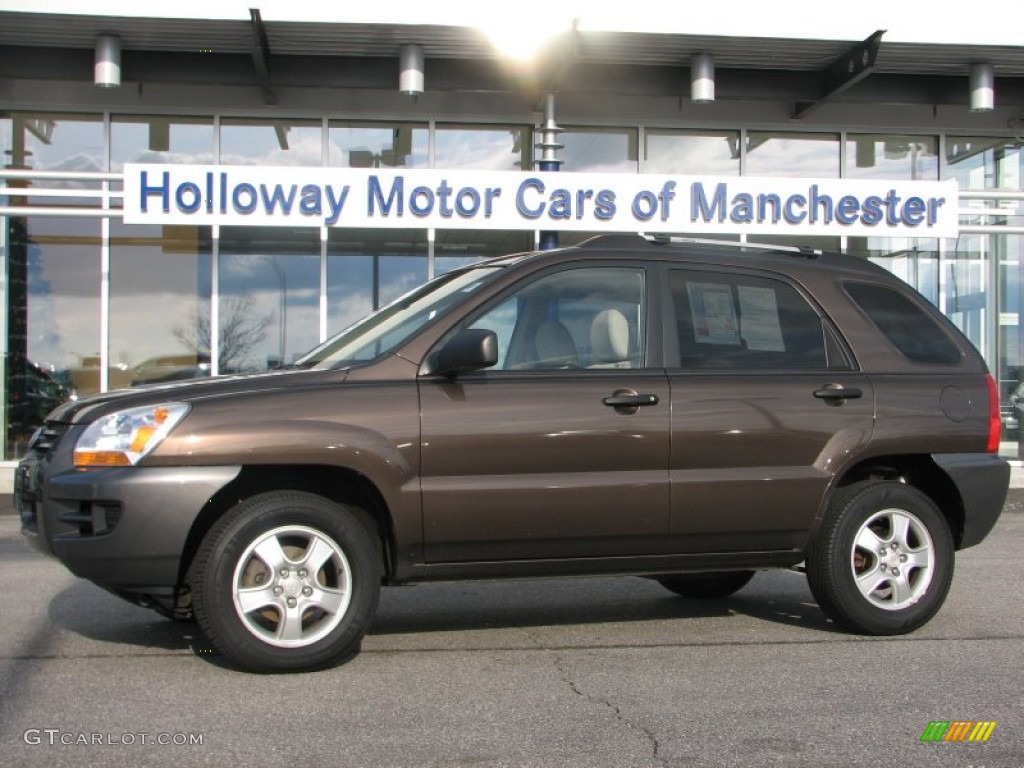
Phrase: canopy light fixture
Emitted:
{"points": [[983, 79], [702, 78], [410, 69], [107, 68]]}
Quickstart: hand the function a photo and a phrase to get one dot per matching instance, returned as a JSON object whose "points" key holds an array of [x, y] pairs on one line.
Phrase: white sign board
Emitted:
{"points": [[591, 202]]}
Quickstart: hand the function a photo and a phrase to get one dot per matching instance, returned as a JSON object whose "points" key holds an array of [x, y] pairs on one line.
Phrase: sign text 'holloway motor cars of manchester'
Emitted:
{"points": [[599, 202]]}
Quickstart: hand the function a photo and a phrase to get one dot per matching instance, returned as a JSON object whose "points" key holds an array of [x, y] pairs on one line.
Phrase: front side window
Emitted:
{"points": [[577, 319], [740, 322]]}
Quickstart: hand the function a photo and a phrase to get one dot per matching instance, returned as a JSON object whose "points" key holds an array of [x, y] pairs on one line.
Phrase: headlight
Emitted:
{"points": [[123, 438]]}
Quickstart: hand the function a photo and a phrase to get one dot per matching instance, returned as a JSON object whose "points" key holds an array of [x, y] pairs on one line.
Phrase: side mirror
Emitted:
{"points": [[468, 350]]}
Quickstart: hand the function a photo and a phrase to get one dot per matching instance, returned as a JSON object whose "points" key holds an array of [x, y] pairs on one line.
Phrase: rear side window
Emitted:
{"points": [[908, 326], [741, 322]]}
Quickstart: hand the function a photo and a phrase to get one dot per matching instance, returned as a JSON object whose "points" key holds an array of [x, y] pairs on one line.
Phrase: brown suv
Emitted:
{"points": [[683, 410]]}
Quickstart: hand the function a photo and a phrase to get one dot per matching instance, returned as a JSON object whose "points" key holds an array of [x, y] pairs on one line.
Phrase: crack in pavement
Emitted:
{"points": [[561, 666]]}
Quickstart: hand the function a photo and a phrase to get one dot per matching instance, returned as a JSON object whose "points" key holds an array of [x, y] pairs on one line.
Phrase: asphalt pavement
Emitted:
{"points": [[570, 672]]}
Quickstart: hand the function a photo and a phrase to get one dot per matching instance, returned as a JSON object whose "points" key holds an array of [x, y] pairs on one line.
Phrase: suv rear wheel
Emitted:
{"points": [[287, 581], [883, 562]]}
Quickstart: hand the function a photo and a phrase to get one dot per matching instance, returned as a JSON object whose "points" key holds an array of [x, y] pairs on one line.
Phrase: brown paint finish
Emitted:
{"points": [[537, 466], [753, 455]]}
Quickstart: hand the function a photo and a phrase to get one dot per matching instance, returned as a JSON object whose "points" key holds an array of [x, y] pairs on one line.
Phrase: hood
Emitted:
{"points": [[92, 407]]}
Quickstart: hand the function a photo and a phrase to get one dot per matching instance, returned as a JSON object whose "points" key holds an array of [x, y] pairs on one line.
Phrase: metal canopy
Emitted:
{"points": [[845, 72], [449, 42]]}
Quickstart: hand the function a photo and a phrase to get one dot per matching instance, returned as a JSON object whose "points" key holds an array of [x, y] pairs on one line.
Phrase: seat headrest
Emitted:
{"points": [[609, 336]]}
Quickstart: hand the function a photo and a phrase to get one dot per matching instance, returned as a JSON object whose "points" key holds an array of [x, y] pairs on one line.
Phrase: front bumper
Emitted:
{"points": [[124, 528], [982, 481]]}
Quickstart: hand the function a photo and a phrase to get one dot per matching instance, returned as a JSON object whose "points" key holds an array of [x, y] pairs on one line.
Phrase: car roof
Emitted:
{"points": [[776, 258]]}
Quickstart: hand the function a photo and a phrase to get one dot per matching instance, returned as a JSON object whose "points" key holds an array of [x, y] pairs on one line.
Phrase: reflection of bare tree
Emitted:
{"points": [[241, 329]]}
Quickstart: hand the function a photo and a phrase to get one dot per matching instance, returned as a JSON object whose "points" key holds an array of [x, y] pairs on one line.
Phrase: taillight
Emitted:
{"points": [[995, 426]]}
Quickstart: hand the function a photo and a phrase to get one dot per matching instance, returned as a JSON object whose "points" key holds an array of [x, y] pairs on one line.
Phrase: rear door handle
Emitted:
{"points": [[632, 400], [835, 394]]}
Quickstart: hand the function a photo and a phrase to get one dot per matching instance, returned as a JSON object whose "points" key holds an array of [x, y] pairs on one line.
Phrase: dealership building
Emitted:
{"points": [[200, 188]]}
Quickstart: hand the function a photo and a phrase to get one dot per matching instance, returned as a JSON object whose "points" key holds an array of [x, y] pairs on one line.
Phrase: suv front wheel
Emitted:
{"points": [[287, 581], [883, 562]]}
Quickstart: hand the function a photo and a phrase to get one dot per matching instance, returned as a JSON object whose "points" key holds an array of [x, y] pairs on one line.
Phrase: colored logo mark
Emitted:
{"points": [[958, 730]]}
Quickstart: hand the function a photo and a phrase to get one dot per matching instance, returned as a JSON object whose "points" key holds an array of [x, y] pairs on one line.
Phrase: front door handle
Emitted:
{"points": [[629, 399], [836, 394]]}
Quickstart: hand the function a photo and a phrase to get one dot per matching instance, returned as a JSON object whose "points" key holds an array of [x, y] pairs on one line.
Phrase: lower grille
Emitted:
{"points": [[93, 518]]}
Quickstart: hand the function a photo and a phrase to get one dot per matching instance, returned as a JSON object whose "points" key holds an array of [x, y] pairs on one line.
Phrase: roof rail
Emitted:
{"points": [[796, 250]]}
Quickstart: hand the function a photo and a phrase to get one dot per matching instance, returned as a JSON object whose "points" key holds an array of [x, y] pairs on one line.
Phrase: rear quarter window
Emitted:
{"points": [[914, 332]]}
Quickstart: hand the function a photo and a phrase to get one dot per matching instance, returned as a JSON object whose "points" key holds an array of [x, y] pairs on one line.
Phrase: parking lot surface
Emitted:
{"points": [[574, 672]]}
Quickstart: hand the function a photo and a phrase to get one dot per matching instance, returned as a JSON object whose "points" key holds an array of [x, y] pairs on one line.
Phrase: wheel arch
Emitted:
{"points": [[917, 470], [338, 484]]}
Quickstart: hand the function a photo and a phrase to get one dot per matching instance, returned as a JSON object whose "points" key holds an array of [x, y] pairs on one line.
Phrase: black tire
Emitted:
{"points": [[243, 604], [860, 589], [706, 586]]}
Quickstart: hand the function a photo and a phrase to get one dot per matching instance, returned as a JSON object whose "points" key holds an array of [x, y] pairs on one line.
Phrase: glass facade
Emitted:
{"points": [[160, 139], [271, 142], [803, 155], [53, 320], [378, 145], [367, 268], [269, 297], [159, 304], [871, 156], [95, 304], [692, 152], [984, 273], [600, 150], [483, 147]]}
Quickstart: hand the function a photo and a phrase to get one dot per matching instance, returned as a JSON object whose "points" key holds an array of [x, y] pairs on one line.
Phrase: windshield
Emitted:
{"points": [[392, 325]]}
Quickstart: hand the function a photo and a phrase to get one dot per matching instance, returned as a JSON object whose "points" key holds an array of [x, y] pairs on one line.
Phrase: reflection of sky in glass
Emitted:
{"points": [[892, 157], [600, 150], [498, 149], [399, 145], [981, 163], [63, 294], [349, 290], [913, 260], [691, 153], [75, 144], [792, 154], [260, 144], [285, 296], [134, 141], [361, 260], [56, 142], [271, 277], [399, 275], [155, 290]]}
